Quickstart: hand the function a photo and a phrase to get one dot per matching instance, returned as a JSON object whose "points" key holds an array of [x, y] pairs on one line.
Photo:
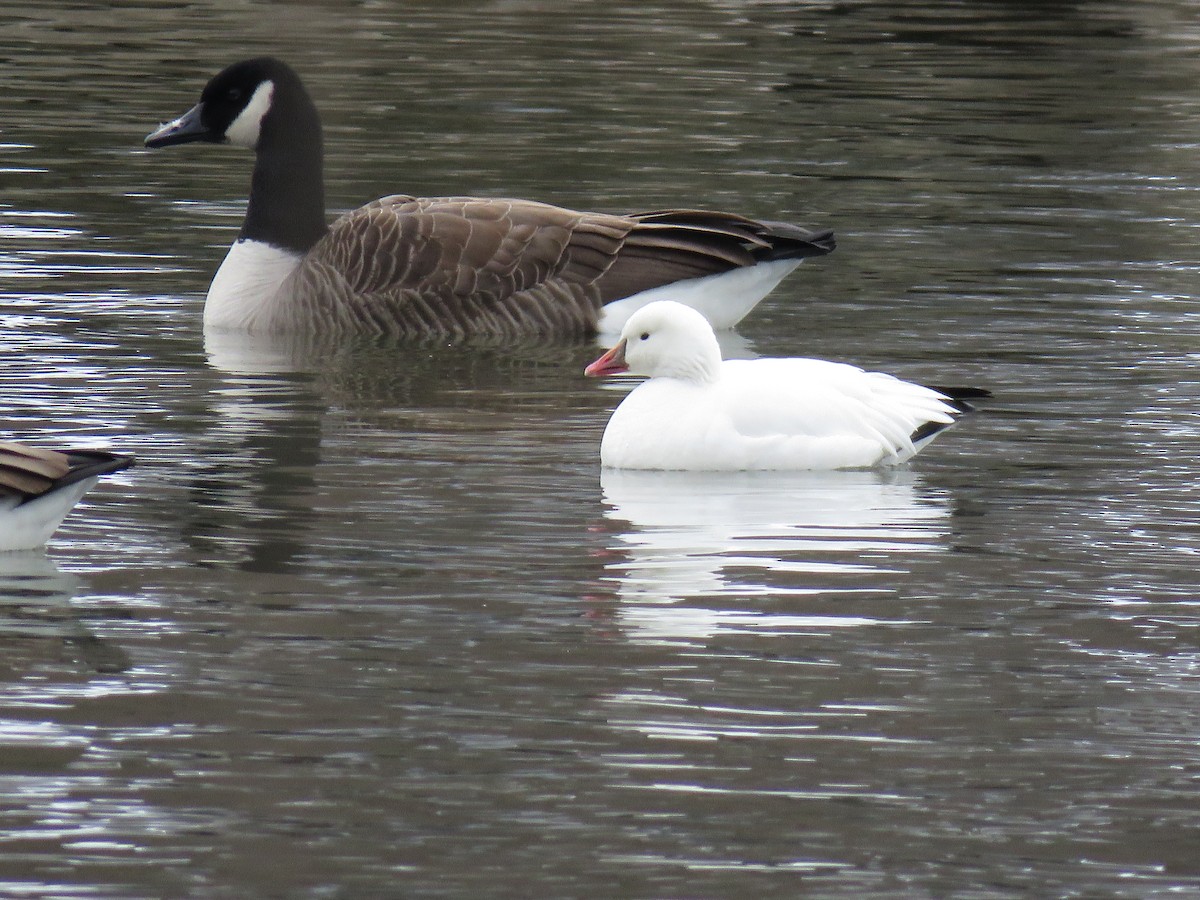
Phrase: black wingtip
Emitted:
{"points": [[793, 242], [961, 397], [928, 430], [965, 393], [89, 463], [824, 240]]}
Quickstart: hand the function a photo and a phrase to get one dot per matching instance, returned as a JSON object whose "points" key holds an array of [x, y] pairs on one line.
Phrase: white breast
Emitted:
{"points": [[246, 288]]}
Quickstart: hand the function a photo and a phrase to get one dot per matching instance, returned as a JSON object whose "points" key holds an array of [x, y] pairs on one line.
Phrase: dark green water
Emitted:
{"points": [[368, 622]]}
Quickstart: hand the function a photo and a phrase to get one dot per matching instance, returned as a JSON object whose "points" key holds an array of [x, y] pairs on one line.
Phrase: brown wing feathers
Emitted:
{"points": [[459, 265], [32, 471], [29, 470], [672, 245]]}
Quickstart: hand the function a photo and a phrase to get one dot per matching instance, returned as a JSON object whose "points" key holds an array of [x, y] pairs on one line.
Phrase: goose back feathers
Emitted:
{"points": [[451, 266], [459, 266]]}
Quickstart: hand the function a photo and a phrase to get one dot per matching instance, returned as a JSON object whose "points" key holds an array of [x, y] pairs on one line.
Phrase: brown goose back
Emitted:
{"points": [[459, 266], [29, 472]]}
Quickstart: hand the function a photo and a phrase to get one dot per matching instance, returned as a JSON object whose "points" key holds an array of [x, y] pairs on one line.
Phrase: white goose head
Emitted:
{"points": [[664, 339]]}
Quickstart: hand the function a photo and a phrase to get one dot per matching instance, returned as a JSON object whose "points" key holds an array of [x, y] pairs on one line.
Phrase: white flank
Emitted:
{"points": [[30, 525], [242, 291], [723, 299], [244, 130]]}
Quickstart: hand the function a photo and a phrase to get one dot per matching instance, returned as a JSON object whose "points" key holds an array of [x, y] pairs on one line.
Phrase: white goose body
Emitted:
{"points": [[453, 266], [698, 412], [39, 487]]}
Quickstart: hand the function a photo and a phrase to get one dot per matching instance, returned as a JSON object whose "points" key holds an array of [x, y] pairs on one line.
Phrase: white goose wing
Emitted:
{"points": [[809, 404]]}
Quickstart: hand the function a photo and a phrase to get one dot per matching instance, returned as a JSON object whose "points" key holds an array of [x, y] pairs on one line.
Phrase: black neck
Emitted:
{"points": [[287, 193]]}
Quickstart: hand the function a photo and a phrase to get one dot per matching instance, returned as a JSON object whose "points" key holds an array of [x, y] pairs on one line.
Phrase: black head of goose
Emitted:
{"points": [[38, 487], [453, 266]]}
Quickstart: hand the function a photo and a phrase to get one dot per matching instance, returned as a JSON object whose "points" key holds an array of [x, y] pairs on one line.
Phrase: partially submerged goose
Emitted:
{"points": [[452, 266], [698, 412], [39, 487]]}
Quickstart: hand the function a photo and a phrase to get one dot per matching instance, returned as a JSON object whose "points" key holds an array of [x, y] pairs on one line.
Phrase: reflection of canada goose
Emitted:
{"points": [[36, 609], [39, 487], [698, 412], [452, 266]]}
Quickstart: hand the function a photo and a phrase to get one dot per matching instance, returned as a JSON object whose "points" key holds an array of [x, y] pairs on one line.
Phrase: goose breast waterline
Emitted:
{"points": [[452, 266]]}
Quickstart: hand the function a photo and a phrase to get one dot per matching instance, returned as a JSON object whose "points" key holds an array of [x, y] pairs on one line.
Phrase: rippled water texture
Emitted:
{"points": [[368, 620]]}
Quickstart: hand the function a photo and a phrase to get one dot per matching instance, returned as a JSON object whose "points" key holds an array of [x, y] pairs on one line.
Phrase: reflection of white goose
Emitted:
{"points": [[694, 535]]}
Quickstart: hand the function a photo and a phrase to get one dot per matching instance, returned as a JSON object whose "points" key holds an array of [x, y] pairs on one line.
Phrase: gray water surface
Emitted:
{"points": [[368, 620]]}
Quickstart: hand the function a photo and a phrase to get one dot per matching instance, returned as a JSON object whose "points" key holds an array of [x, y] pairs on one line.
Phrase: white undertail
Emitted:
{"points": [[723, 299], [28, 525]]}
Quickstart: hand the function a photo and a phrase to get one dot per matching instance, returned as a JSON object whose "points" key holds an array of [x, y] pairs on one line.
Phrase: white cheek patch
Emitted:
{"points": [[244, 130]]}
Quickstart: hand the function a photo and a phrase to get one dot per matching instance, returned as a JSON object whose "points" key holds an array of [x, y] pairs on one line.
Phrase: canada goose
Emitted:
{"points": [[698, 412], [39, 487], [452, 266]]}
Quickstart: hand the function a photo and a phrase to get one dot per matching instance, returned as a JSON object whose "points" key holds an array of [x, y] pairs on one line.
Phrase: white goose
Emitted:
{"points": [[698, 412], [39, 487], [452, 266]]}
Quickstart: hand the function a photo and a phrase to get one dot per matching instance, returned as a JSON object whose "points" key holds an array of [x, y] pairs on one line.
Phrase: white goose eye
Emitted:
{"points": [[645, 336]]}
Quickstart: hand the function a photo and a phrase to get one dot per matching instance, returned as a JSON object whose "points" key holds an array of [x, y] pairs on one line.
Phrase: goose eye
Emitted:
{"points": [[645, 336], [234, 93]]}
